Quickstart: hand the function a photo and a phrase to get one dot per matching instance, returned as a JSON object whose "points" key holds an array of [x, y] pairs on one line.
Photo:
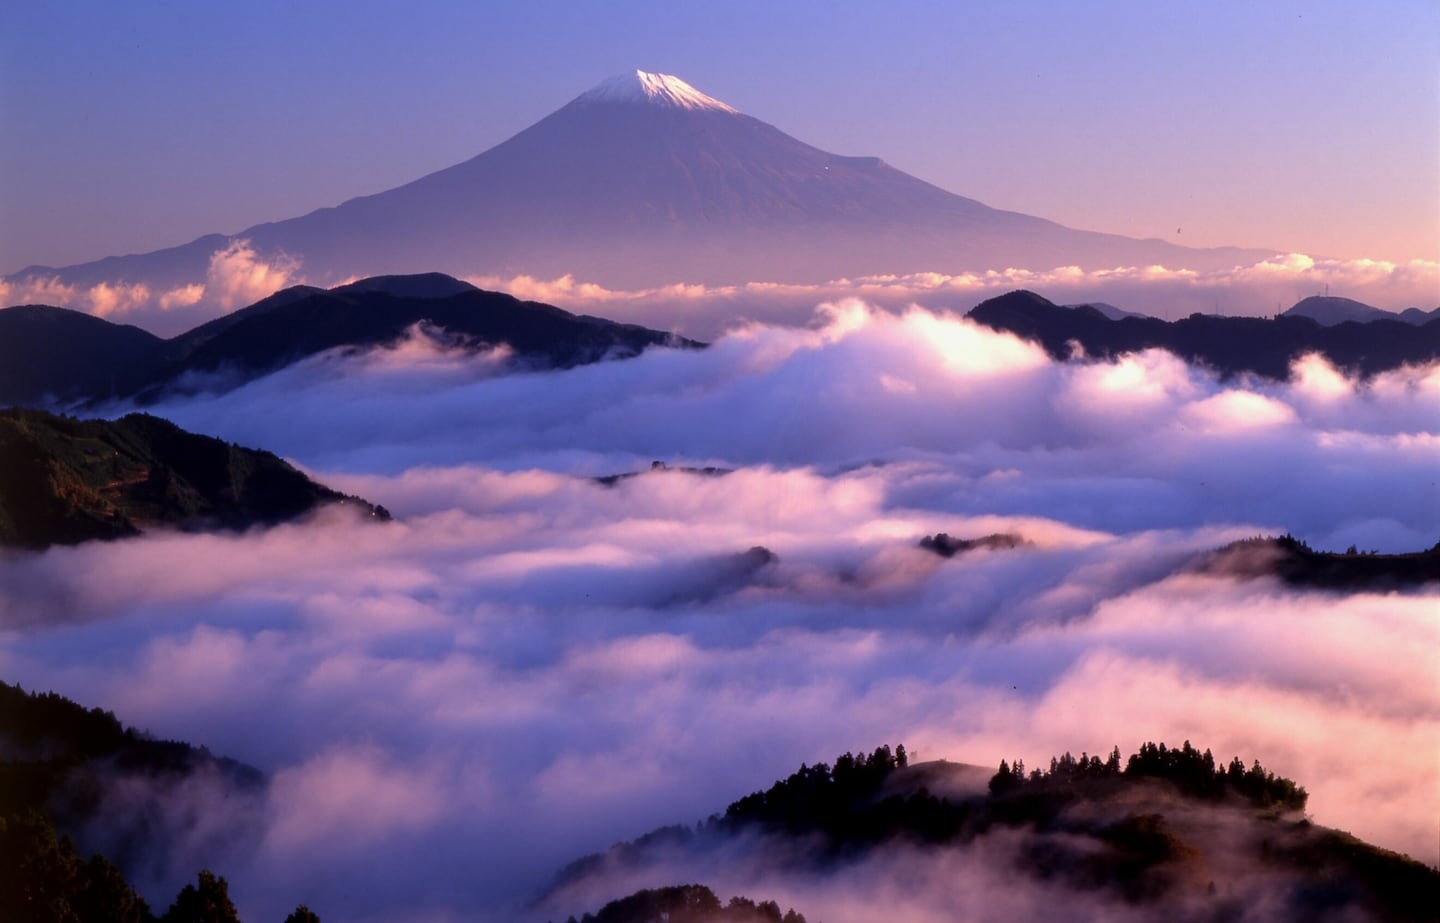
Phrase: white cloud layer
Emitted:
{"points": [[528, 665], [239, 275], [1261, 289]]}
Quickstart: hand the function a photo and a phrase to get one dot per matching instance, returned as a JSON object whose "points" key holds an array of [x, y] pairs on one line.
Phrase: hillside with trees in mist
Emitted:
{"points": [[65, 481], [1295, 562], [1139, 832], [66, 771]]}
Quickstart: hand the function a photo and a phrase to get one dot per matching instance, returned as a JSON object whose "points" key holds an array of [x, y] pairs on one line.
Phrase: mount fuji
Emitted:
{"points": [[645, 180]]}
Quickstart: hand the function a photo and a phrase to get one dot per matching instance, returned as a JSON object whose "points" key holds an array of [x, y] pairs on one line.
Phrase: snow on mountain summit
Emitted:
{"points": [[653, 89]]}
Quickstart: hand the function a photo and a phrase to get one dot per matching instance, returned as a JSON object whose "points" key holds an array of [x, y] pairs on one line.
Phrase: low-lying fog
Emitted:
{"points": [[528, 665]]}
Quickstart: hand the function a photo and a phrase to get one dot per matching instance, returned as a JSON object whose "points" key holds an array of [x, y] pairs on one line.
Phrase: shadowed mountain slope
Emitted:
{"points": [[63, 358], [1231, 345], [64, 481], [1167, 834]]}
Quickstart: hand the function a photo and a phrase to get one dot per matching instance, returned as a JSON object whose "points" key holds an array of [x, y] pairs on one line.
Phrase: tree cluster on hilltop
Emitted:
{"points": [[687, 904], [1196, 773]]}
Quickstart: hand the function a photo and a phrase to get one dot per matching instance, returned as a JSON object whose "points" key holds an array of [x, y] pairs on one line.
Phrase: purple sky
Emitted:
{"points": [[1298, 126]]}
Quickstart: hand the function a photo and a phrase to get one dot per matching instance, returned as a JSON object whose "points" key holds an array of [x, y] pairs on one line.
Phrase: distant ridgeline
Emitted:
{"points": [[1230, 345], [1141, 832], [58, 358], [1295, 562], [81, 771], [65, 481], [687, 904]]}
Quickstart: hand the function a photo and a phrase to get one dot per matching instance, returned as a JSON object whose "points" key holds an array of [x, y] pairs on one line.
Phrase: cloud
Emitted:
{"points": [[1169, 292], [239, 276], [106, 299], [530, 658], [183, 296]]}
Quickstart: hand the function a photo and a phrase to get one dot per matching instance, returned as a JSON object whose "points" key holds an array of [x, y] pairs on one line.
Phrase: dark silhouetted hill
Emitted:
{"points": [[1172, 833], [1295, 562], [56, 358], [74, 780], [947, 546], [687, 904], [1230, 345], [64, 480]]}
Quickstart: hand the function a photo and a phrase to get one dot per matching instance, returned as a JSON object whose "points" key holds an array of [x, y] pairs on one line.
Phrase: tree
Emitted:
{"points": [[209, 902], [303, 914]]}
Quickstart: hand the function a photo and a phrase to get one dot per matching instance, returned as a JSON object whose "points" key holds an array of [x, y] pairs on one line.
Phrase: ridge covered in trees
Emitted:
{"points": [[1125, 826], [64, 481], [1295, 562], [687, 904], [59, 758], [1195, 773]]}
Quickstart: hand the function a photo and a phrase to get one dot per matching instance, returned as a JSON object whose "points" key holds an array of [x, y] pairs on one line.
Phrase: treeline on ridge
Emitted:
{"points": [[1195, 773], [58, 759]]}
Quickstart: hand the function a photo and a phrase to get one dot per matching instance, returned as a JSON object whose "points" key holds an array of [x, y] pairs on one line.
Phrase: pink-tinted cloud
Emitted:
{"points": [[530, 658]]}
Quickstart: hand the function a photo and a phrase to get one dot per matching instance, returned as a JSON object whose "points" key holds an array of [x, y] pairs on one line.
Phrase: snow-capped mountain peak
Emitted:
{"points": [[652, 89]]}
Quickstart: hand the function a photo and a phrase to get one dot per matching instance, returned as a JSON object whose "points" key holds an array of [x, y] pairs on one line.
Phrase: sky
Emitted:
{"points": [[1300, 127], [526, 666]]}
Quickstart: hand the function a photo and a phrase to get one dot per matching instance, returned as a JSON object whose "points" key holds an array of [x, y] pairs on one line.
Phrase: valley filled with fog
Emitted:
{"points": [[530, 663]]}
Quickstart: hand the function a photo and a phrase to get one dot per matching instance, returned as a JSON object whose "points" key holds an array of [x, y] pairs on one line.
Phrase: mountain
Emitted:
{"points": [[65, 481], [1109, 310], [1168, 834], [1231, 345], [61, 358], [1329, 310], [645, 180], [58, 355]]}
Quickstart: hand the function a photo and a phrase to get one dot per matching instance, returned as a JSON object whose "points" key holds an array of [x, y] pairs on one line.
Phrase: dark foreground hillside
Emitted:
{"points": [[66, 772], [1170, 834], [64, 481]]}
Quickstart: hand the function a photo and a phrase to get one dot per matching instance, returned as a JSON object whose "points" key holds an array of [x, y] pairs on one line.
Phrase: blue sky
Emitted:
{"points": [[1297, 126]]}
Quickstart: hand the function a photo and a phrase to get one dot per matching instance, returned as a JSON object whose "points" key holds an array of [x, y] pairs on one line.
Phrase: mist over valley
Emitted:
{"points": [[462, 551]]}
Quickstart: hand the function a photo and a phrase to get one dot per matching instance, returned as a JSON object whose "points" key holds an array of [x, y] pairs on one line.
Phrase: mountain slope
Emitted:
{"points": [[65, 481], [626, 187], [61, 358], [54, 355], [1231, 345], [273, 334], [1167, 834]]}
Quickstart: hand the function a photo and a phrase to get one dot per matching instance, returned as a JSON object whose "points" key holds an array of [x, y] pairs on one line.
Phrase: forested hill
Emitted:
{"points": [[68, 773], [1295, 562], [1230, 345], [1138, 832], [65, 481]]}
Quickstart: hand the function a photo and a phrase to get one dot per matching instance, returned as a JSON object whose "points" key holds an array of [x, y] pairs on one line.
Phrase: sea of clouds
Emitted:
{"points": [[527, 665], [238, 274]]}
